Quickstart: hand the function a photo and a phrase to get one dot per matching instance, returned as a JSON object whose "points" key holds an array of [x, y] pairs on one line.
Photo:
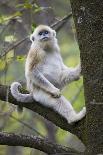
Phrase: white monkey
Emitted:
{"points": [[46, 75]]}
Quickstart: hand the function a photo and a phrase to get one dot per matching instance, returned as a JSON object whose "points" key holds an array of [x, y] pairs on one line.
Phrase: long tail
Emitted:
{"points": [[19, 96]]}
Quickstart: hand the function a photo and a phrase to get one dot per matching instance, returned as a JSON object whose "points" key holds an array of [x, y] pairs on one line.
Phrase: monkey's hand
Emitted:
{"points": [[77, 72], [39, 80], [56, 93]]}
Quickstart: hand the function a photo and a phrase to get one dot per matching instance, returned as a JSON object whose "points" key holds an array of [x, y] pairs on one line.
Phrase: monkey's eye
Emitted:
{"points": [[40, 33], [46, 32]]}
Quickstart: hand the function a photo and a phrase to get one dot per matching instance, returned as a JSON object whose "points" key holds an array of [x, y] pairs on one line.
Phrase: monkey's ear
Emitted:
{"points": [[32, 38], [54, 33]]}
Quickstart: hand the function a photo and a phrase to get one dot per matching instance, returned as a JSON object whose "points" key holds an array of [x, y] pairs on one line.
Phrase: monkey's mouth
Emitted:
{"points": [[45, 38]]}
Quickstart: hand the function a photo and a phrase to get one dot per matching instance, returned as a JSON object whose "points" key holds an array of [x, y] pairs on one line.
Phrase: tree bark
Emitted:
{"points": [[88, 18]]}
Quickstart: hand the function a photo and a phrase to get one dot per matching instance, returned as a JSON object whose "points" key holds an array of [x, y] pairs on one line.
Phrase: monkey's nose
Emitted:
{"points": [[44, 34]]}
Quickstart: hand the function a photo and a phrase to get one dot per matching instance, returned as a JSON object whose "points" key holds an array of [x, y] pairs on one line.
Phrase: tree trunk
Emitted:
{"points": [[88, 18]]}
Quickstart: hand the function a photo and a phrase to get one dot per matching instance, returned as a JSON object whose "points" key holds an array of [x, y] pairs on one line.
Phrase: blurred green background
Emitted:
{"points": [[18, 18]]}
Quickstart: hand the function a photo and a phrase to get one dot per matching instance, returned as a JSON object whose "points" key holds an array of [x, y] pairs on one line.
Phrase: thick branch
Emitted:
{"points": [[41, 144], [77, 128]]}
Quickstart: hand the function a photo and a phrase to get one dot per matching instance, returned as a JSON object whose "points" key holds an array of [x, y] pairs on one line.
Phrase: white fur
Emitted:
{"points": [[48, 78]]}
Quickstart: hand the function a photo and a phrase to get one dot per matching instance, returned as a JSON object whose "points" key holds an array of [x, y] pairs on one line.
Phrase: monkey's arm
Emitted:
{"points": [[39, 80], [34, 58], [71, 74]]}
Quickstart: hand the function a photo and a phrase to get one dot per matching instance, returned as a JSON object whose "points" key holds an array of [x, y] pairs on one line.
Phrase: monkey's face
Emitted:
{"points": [[43, 34]]}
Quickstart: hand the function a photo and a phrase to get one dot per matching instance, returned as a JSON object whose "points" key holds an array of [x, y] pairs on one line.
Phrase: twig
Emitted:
{"points": [[13, 46], [59, 24], [57, 28], [27, 125]]}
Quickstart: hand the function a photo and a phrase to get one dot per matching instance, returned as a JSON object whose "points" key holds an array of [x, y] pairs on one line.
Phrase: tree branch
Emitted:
{"points": [[78, 128], [13, 46], [27, 125], [57, 26], [41, 144], [60, 23]]}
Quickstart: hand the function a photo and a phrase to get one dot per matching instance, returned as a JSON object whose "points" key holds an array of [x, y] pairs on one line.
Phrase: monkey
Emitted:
{"points": [[47, 75]]}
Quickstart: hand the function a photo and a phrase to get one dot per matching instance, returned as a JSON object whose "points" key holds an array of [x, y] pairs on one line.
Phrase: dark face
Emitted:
{"points": [[44, 35]]}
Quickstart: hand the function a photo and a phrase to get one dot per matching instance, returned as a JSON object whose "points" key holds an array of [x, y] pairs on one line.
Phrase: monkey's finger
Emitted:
{"points": [[56, 95]]}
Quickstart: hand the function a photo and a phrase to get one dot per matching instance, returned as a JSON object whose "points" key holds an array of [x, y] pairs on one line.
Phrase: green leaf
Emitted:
{"points": [[27, 6], [20, 58], [33, 26]]}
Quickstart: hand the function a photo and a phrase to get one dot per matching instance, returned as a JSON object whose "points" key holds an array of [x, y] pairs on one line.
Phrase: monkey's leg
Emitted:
{"points": [[61, 105], [65, 108]]}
